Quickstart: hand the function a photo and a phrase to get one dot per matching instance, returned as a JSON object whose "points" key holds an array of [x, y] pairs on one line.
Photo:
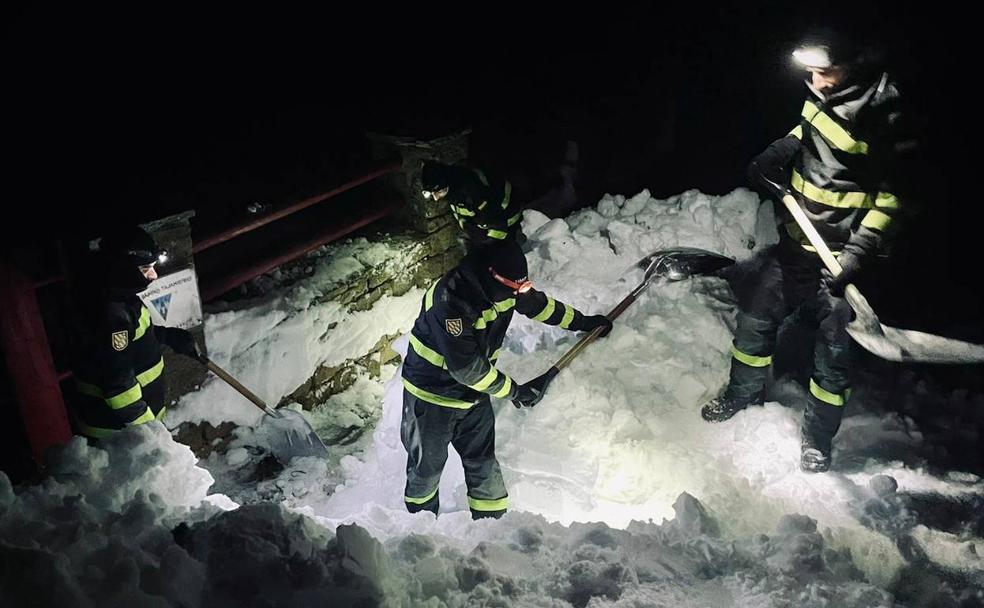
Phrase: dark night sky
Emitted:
{"points": [[121, 115]]}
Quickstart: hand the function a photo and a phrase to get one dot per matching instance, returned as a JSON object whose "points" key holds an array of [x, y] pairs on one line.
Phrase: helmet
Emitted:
{"points": [[131, 245], [501, 268], [123, 251], [823, 48], [434, 176]]}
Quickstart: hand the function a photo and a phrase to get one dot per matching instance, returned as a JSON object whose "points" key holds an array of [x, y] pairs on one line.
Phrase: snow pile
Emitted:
{"points": [[276, 346], [619, 435], [96, 532], [617, 442]]}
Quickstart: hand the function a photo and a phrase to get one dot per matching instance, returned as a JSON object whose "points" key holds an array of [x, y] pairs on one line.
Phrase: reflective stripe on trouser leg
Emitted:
{"points": [[755, 341], [832, 359], [425, 432], [474, 440]]}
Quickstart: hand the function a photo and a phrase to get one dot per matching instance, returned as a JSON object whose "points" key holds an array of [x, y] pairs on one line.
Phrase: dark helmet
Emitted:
{"points": [[123, 251], [132, 245], [434, 176], [825, 47], [501, 268]]}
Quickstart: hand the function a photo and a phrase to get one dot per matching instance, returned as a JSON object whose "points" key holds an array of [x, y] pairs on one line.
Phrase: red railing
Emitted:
{"points": [[243, 270]]}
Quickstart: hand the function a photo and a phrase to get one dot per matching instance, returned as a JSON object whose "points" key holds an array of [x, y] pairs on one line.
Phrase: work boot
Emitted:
{"points": [[722, 408], [813, 459]]}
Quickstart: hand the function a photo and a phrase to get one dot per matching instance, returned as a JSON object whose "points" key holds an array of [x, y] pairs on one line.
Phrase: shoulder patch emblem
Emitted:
{"points": [[120, 340], [453, 326]]}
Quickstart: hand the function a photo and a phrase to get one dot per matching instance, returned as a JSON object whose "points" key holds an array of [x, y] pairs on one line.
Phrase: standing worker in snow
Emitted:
{"points": [[839, 162], [449, 374], [481, 204], [118, 351]]}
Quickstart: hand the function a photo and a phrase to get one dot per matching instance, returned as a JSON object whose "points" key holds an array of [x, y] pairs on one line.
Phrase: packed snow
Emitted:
{"points": [[621, 495]]}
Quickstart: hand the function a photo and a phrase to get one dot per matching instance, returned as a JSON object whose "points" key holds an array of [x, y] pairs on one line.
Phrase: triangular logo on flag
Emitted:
{"points": [[162, 304]]}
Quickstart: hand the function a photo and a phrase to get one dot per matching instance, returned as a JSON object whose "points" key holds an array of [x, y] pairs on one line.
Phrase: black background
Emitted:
{"points": [[116, 115]]}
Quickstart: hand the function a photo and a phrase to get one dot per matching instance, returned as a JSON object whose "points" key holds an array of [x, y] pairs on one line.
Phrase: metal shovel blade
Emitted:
{"points": [[906, 345], [289, 435], [683, 262]]}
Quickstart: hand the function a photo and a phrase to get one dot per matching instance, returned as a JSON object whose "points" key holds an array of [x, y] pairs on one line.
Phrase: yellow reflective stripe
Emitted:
{"points": [[94, 431], [145, 378], [127, 397], [547, 310], [479, 504], [497, 234], [143, 324], [489, 314], [482, 205], [463, 211], [420, 501], [436, 399], [429, 298], [486, 380], [876, 219], [886, 200], [835, 133], [161, 414], [797, 132], [568, 316], [427, 353], [809, 110], [506, 387], [506, 196], [514, 219], [751, 360], [495, 355], [504, 305], [828, 397], [858, 200], [144, 418]]}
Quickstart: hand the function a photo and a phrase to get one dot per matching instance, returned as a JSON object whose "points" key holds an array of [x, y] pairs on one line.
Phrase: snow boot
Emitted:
{"points": [[813, 459], [722, 408]]}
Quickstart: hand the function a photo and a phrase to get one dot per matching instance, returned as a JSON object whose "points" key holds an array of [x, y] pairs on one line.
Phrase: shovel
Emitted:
{"points": [[288, 433], [670, 264], [900, 345]]}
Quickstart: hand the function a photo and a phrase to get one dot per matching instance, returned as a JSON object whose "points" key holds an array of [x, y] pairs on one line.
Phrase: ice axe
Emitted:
{"points": [[288, 433], [900, 345], [671, 264]]}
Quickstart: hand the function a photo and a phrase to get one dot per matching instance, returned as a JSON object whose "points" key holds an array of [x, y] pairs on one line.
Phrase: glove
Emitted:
{"points": [[772, 165], [527, 396], [182, 342], [850, 265], [594, 321]]}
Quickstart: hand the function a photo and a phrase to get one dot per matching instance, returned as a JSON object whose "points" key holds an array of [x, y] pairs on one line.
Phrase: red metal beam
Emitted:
{"points": [[383, 168], [58, 278], [220, 285], [29, 361]]}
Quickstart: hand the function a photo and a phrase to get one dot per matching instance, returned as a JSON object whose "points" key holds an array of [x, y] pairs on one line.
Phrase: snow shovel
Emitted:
{"points": [[287, 432], [670, 264], [900, 345]]}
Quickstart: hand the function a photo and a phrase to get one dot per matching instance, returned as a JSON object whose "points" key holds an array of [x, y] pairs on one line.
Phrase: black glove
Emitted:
{"points": [[527, 396], [850, 265], [183, 342], [772, 165], [590, 323]]}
